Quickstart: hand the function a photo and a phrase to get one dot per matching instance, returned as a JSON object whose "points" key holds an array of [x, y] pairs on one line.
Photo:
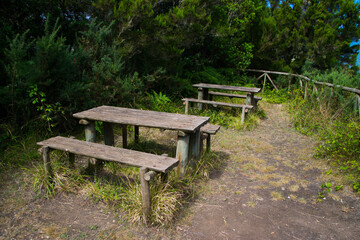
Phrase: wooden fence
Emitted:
{"points": [[265, 75]]}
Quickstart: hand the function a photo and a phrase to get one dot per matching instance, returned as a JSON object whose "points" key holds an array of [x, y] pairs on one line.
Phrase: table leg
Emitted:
{"points": [[90, 136], [90, 132], [124, 135], [108, 134], [136, 130], [250, 100], [182, 153], [194, 148]]}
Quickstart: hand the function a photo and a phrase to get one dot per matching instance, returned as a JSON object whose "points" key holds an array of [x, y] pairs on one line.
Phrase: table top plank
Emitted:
{"points": [[144, 118], [227, 87], [108, 153]]}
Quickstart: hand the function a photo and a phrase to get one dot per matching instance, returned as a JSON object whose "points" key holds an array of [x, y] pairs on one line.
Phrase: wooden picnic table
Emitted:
{"points": [[203, 91], [188, 127]]}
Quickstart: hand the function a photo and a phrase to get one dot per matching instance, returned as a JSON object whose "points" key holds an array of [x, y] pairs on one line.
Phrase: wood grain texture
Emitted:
{"points": [[109, 153], [226, 87], [210, 129], [231, 95], [218, 103], [144, 118]]}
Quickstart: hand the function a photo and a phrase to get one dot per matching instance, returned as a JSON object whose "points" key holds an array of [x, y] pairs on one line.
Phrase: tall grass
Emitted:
{"points": [[329, 115]]}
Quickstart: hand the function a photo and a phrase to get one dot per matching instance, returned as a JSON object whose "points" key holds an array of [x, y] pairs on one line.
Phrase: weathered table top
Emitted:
{"points": [[144, 118], [226, 87]]}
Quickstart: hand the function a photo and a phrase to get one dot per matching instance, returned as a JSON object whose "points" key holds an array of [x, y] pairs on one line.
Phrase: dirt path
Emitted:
{"points": [[267, 189]]}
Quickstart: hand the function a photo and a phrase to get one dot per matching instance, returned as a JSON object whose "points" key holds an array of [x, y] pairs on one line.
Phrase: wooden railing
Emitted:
{"points": [[265, 75]]}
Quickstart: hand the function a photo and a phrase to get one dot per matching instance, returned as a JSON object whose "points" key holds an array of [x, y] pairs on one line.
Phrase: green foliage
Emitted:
{"points": [[20, 151], [277, 97], [159, 102], [45, 63], [342, 145], [296, 31], [330, 117], [101, 65], [49, 111], [326, 188]]}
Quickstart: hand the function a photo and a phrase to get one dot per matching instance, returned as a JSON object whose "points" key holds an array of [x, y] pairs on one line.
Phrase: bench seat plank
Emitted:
{"points": [[210, 128], [218, 103], [109, 153], [227, 87], [232, 95]]}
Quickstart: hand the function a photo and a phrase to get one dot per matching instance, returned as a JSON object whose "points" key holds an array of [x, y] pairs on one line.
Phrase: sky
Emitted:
{"points": [[358, 57]]}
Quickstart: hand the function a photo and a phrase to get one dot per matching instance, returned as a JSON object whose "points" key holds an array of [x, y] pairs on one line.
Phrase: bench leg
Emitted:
{"points": [[200, 97], [186, 107], [243, 115], [201, 143], [208, 142], [145, 193], [124, 135], [46, 158], [182, 153], [136, 130]]}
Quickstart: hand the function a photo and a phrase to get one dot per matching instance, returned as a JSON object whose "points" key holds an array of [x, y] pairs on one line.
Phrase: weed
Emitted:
{"points": [[62, 178], [328, 116], [276, 97], [277, 196]]}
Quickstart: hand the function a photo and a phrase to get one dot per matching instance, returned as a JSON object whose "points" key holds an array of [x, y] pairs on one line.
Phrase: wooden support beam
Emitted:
{"points": [[71, 157], [358, 97], [124, 135], [186, 107], [200, 97], [243, 115], [145, 194], [149, 175], [260, 76], [90, 136], [264, 82], [108, 134], [90, 132], [194, 148], [182, 153], [47, 164], [250, 100], [136, 133], [208, 142], [272, 82], [305, 92]]}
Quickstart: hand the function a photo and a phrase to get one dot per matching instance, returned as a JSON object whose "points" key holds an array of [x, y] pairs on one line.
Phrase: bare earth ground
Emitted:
{"points": [[267, 189]]}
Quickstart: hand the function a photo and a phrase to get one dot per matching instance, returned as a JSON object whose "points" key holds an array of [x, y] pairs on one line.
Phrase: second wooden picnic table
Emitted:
{"points": [[188, 127], [203, 91]]}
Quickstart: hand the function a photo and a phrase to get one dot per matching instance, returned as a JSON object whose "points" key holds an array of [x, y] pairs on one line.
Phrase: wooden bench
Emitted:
{"points": [[206, 131], [145, 161], [244, 108], [230, 95]]}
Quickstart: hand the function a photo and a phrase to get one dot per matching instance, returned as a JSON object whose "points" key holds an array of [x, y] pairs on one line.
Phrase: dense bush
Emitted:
{"points": [[330, 116]]}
